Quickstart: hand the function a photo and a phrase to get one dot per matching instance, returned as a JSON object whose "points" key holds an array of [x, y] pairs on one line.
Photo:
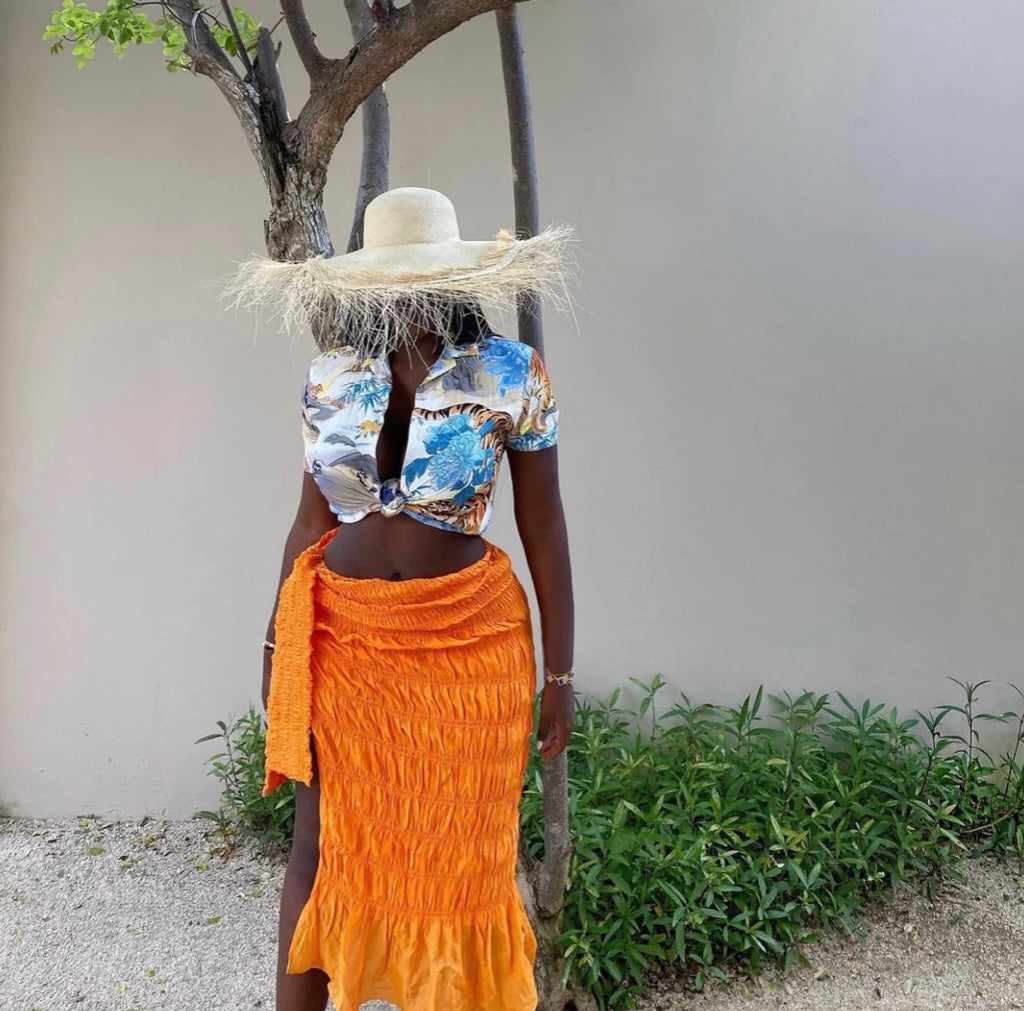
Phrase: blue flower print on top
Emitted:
{"points": [[457, 461], [507, 363], [456, 452]]}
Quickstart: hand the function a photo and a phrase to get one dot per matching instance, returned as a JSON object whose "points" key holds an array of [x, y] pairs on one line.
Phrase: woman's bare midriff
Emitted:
{"points": [[399, 547]]}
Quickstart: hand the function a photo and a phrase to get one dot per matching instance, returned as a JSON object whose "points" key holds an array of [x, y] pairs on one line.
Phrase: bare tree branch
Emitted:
{"points": [[347, 83], [374, 171], [239, 44], [244, 103], [360, 18], [304, 38], [268, 81], [374, 174], [199, 37], [382, 12], [524, 166], [257, 102]]}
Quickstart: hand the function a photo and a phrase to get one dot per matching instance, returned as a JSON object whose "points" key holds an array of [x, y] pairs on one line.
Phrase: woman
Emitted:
{"points": [[399, 669]]}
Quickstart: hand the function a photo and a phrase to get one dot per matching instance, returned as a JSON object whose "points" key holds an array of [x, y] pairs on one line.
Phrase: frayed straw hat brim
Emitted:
{"points": [[376, 289]]}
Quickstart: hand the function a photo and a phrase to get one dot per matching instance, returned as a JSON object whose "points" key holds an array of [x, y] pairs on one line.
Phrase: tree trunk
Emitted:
{"points": [[542, 883], [549, 965], [296, 229], [525, 186], [297, 226]]}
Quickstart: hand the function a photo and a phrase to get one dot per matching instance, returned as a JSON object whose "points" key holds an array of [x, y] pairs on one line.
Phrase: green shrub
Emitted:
{"points": [[707, 837], [263, 823]]}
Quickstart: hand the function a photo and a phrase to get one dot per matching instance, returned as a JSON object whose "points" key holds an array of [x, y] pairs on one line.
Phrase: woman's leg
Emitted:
{"points": [[306, 991]]}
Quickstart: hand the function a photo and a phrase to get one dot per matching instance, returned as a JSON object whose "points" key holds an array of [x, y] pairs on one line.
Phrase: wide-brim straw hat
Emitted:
{"points": [[412, 265]]}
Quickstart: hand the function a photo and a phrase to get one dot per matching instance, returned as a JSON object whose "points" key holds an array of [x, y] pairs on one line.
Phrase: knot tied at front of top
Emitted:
{"points": [[392, 499]]}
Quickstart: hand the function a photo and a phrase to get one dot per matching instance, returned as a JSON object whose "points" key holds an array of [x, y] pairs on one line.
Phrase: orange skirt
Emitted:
{"points": [[419, 696]]}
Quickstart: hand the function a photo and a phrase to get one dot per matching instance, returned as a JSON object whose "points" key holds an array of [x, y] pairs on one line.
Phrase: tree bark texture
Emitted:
{"points": [[297, 226], [525, 185], [374, 172]]}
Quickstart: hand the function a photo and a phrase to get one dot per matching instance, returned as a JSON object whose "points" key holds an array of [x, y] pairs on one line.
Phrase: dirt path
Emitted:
{"points": [[115, 916]]}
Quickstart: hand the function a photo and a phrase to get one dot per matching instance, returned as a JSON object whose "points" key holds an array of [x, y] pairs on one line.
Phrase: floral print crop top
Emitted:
{"points": [[476, 401]]}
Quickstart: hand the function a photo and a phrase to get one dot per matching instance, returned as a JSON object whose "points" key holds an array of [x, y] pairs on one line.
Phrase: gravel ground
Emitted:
{"points": [[143, 915], [962, 951]]}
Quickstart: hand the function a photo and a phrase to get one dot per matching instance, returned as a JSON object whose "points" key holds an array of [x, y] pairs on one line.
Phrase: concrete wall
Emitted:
{"points": [[791, 442]]}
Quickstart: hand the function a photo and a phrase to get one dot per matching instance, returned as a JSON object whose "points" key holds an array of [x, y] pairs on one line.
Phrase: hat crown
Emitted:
{"points": [[409, 215]]}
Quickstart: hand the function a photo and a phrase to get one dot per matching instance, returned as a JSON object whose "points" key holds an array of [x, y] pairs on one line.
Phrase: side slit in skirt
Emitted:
{"points": [[419, 697]]}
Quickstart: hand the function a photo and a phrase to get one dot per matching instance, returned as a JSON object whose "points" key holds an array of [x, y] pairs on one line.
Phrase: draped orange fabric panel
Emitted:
{"points": [[419, 697]]}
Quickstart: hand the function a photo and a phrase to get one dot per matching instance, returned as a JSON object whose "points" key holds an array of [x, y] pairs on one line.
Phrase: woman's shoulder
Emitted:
{"points": [[333, 362], [496, 342], [506, 350], [337, 353]]}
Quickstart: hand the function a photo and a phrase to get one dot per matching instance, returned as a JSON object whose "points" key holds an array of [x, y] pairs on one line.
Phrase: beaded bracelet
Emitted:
{"points": [[559, 679]]}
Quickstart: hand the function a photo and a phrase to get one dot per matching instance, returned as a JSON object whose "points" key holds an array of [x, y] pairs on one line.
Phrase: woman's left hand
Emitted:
{"points": [[556, 716]]}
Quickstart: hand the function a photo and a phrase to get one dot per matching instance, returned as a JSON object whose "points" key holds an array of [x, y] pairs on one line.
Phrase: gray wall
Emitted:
{"points": [[791, 416]]}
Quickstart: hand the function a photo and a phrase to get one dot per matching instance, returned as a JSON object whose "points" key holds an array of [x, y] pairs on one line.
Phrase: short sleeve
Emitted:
{"points": [[537, 426], [310, 432]]}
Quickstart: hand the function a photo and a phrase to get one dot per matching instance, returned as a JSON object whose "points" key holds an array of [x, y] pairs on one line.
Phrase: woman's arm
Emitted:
{"points": [[541, 524], [312, 520]]}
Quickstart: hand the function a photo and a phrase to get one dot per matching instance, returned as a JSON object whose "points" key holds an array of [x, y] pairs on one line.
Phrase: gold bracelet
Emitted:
{"points": [[267, 644], [559, 679]]}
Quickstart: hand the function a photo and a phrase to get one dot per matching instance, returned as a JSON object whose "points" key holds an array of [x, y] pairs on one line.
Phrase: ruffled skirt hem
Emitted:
{"points": [[479, 962]]}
